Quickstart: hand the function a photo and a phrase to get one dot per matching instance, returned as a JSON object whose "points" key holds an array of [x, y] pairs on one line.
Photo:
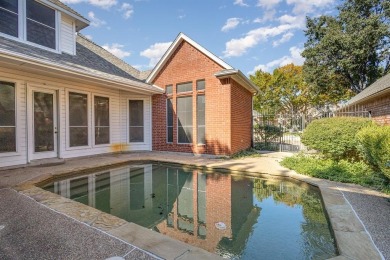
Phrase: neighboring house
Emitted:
{"points": [[375, 99], [207, 106], [63, 96]]}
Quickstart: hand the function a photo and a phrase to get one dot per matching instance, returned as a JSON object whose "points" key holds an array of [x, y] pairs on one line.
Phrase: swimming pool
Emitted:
{"points": [[234, 216]]}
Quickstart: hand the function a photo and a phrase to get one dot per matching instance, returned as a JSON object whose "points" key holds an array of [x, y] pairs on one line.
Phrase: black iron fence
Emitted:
{"points": [[275, 131]]}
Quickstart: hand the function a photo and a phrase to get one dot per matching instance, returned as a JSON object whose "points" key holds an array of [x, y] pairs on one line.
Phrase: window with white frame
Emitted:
{"points": [[136, 121], [38, 22], [9, 17], [7, 117], [78, 119], [102, 120]]}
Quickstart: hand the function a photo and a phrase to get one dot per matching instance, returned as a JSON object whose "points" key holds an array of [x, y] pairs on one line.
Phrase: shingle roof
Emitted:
{"points": [[378, 86], [86, 61], [108, 56]]}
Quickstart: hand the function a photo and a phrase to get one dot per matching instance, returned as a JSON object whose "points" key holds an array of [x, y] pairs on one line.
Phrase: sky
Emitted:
{"points": [[247, 34]]}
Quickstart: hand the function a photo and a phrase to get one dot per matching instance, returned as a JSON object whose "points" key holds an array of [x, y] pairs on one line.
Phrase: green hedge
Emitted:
{"points": [[374, 144], [335, 137]]}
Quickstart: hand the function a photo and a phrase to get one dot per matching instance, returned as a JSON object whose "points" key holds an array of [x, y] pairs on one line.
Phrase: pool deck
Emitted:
{"points": [[37, 224]]}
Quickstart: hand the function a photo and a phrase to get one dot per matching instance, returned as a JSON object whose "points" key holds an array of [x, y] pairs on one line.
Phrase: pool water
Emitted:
{"points": [[234, 216]]}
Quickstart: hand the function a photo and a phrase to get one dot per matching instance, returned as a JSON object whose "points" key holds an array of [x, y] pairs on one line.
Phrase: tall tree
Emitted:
{"points": [[350, 50], [286, 91]]}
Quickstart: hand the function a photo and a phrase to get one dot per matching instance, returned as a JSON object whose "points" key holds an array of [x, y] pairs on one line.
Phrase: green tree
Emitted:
{"points": [[285, 90], [350, 50]]}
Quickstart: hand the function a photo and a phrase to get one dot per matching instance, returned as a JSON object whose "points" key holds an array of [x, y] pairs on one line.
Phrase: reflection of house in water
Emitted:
{"points": [[183, 204]]}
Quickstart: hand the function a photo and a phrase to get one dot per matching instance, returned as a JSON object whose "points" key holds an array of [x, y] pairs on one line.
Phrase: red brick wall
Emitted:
{"points": [[241, 117], [188, 64], [380, 109]]}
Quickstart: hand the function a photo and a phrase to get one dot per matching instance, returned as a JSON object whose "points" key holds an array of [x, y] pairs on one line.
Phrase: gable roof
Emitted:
{"points": [[378, 87], [228, 71], [86, 65], [81, 22]]}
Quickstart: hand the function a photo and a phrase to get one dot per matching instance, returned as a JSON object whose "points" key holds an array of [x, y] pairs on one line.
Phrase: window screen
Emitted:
{"points": [[201, 122], [136, 121], [184, 87], [169, 121], [78, 119], [169, 89], [184, 119], [40, 24], [102, 120], [9, 17], [7, 117], [200, 85]]}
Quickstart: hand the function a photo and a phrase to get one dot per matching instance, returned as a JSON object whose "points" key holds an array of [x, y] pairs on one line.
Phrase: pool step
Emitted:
{"points": [[47, 162]]}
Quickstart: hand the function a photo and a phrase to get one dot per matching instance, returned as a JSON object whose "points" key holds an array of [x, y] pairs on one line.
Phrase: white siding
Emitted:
{"points": [[68, 40], [118, 117]]}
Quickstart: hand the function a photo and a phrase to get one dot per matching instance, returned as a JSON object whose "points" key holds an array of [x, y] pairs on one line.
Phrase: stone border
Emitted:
{"points": [[352, 239]]}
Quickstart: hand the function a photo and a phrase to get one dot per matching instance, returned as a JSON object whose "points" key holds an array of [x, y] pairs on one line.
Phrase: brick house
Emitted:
{"points": [[207, 104], [375, 99], [63, 96]]}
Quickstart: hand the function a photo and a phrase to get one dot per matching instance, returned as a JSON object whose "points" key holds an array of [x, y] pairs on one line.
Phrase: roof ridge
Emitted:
{"points": [[67, 7], [105, 54]]}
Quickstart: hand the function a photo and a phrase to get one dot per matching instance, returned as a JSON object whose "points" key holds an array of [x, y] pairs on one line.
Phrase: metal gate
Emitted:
{"points": [[279, 131]]}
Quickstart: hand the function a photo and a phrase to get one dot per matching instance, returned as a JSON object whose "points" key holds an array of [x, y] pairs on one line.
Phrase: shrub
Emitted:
{"points": [[268, 132], [335, 137], [374, 144], [342, 171]]}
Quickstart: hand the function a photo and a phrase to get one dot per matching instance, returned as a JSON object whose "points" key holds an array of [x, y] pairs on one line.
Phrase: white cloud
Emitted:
{"points": [[117, 50], [268, 4], [155, 52], [237, 47], [267, 16], [105, 4], [181, 16], [127, 10], [294, 57], [240, 3], [285, 38], [89, 37], [95, 22], [230, 24], [305, 6]]}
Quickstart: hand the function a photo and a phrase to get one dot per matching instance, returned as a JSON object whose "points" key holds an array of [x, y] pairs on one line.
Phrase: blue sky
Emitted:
{"points": [[247, 34]]}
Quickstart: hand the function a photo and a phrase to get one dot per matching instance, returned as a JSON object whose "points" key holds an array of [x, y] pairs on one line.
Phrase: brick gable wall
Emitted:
{"points": [[188, 64]]}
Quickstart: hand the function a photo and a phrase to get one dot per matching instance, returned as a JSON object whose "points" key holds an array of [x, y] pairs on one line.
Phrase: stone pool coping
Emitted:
{"points": [[352, 239]]}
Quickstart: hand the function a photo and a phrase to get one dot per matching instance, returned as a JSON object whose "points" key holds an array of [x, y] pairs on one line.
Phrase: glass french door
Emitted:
{"points": [[44, 124]]}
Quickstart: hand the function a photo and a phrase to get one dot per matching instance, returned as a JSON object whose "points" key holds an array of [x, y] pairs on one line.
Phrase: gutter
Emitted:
{"points": [[131, 84], [238, 76]]}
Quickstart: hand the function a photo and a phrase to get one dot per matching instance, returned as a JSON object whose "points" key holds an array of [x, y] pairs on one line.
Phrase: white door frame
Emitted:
{"points": [[32, 155]]}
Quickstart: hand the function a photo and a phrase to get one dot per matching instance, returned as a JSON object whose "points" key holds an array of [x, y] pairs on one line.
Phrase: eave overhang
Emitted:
{"points": [[73, 73], [239, 77]]}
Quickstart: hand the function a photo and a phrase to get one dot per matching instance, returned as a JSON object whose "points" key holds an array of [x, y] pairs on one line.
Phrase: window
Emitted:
{"points": [[184, 87], [201, 122], [78, 119], [9, 17], [184, 119], [136, 121], [102, 120], [7, 117], [200, 85], [40, 22], [169, 121], [169, 89]]}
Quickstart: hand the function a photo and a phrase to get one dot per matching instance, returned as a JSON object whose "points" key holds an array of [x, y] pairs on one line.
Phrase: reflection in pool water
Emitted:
{"points": [[236, 217]]}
